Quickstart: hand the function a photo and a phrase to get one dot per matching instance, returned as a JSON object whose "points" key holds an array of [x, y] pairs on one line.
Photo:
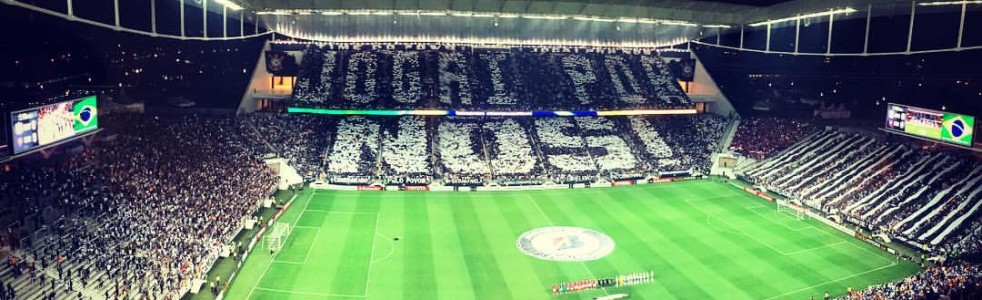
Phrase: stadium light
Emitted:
{"points": [[940, 3], [805, 16], [229, 4], [474, 14], [544, 17], [678, 23]]}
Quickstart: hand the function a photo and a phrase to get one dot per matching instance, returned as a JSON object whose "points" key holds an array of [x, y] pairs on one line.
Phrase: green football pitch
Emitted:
{"points": [[703, 239]]}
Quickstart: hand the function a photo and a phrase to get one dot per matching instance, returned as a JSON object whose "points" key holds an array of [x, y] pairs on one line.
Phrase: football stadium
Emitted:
{"points": [[490, 149]]}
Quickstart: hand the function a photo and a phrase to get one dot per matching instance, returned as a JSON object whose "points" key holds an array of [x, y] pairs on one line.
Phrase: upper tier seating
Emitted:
{"points": [[510, 79]]}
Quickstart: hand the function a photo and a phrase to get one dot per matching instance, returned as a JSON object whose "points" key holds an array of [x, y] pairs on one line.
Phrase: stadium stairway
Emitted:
{"points": [[724, 145]]}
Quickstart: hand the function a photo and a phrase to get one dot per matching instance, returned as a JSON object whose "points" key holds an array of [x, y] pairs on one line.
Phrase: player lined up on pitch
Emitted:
{"points": [[592, 284]]}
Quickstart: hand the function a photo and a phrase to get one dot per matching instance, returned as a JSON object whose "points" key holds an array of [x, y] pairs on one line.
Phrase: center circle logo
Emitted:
{"points": [[561, 243]]}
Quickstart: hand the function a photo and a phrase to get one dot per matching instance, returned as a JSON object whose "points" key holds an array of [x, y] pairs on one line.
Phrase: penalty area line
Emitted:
{"points": [[273, 257], [368, 278], [831, 281]]}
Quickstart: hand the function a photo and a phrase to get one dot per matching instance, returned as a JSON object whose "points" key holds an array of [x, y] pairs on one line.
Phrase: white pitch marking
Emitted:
{"points": [[536, 204], [249, 296]]}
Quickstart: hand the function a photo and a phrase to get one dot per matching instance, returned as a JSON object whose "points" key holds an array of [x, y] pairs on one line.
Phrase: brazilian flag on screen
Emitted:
{"points": [[958, 129], [86, 117]]}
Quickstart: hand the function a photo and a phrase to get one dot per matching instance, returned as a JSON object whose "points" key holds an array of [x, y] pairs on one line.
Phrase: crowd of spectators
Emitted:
{"points": [[507, 151], [512, 157], [925, 198], [679, 143], [607, 147], [353, 158], [464, 78], [406, 152], [140, 214], [759, 138], [460, 149], [300, 139], [567, 159], [958, 280]]}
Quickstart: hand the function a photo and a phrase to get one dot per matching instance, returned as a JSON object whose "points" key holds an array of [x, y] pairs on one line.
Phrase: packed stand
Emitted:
{"points": [[679, 143], [516, 151], [353, 159], [406, 152], [614, 157], [513, 158], [460, 150], [956, 281], [139, 214], [300, 139], [759, 138], [928, 199], [364, 76], [567, 159]]}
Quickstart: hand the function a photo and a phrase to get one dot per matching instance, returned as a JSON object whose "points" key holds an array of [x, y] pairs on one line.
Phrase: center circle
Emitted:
{"points": [[563, 243]]}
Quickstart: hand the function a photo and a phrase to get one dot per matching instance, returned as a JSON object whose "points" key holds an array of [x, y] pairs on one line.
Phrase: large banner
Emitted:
{"points": [[941, 126], [280, 63], [45, 125]]}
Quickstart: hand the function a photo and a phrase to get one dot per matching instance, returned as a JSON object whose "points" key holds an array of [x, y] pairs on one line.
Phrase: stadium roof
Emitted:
{"points": [[703, 12]]}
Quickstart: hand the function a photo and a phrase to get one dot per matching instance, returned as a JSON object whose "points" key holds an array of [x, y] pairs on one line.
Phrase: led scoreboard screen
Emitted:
{"points": [[942, 126], [45, 125]]}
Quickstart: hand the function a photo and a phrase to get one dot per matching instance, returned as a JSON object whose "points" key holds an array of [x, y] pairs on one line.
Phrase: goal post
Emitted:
{"points": [[277, 236], [792, 207]]}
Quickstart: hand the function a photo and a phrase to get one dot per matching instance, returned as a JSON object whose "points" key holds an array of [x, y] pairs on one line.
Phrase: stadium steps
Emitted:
{"points": [[724, 145], [537, 146]]}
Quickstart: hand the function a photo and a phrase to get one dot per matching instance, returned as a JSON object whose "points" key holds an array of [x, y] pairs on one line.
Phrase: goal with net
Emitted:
{"points": [[277, 236], [792, 207]]}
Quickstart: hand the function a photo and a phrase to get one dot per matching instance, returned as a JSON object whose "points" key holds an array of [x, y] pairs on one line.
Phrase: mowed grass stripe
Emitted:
{"points": [[760, 261], [631, 255], [487, 279], [420, 277], [520, 215], [813, 269], [833, 264], [470, 250], [508, 223], [264, 265], [303, 273], [836, 260], [453, 280], [728, 255], [608, 267], [673, 263], [387, 267], [356, 252]]}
